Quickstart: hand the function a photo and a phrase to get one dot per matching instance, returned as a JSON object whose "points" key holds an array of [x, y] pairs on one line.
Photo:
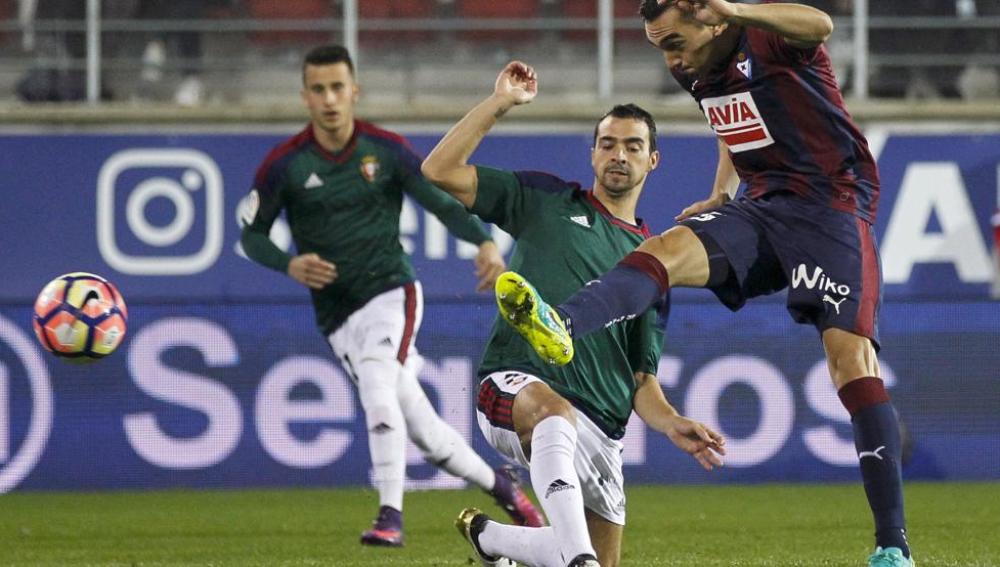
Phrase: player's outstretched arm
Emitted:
{"points": [[489, 265], [447, 165], [692, 437], [724, 188], [801, 26]]}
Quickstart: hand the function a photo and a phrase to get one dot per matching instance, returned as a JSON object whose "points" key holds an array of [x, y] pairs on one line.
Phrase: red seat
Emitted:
{"points": [[290, 10], [8, 12], [497, 9], [623, 9], [395, 9]]}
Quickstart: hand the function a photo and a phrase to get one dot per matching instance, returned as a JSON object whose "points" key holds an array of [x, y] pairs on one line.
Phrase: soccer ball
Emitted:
{"points": [[80, 317]]}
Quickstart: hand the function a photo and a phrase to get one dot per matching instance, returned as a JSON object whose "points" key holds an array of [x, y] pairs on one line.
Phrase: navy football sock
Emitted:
{"points": [[627, 290], [876, 437]]}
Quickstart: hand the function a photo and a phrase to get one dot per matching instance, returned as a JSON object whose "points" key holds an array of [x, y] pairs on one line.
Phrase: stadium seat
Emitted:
{"points": [[290, 10], [623, 9], [397, 8], [8, 12], [400, 10], [493, 9]]}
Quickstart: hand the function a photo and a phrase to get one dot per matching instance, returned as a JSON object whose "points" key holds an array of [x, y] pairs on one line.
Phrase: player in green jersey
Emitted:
{"points": [[565, 422], [341, 182]]}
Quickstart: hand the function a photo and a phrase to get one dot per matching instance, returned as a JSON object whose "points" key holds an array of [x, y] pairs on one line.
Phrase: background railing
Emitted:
{"points": [[248, 51]]}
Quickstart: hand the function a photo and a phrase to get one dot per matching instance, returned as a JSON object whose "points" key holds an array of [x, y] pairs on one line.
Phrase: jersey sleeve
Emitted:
{"points": [[257, 213], [774, 48], [446, 208], [646, 340], [510, 199]]}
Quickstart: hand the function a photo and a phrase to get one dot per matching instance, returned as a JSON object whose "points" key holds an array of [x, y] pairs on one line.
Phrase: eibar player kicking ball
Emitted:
{"points": [[764, 81], [565, 423], [342, 181]]}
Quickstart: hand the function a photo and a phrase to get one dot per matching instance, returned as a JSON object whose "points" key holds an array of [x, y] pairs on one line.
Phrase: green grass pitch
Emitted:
{"points": [[953, 525]]}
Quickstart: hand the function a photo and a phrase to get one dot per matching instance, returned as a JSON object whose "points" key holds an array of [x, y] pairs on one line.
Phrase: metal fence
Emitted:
{"points": [[418, 48]]}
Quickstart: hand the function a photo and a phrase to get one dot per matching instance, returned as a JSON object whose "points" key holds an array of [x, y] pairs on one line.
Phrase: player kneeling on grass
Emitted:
{"points": [[565, 422]]}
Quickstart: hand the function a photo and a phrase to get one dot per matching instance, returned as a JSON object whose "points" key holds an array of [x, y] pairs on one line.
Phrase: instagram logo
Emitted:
{"points": [[173, 211]]}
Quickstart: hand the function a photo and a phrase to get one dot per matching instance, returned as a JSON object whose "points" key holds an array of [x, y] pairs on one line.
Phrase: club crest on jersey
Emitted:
{"points": [[743, 64], [369, 167], [736, 120]]}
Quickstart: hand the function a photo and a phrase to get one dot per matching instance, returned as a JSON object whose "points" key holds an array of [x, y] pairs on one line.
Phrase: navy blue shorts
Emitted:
{"points": [[827, 258]]}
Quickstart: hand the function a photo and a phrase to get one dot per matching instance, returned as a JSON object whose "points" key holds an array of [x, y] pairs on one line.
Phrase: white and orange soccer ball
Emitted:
{"points": [[80, 317]]}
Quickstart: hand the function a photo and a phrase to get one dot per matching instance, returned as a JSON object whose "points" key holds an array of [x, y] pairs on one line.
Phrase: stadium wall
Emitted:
{"points": [[223, 381]]}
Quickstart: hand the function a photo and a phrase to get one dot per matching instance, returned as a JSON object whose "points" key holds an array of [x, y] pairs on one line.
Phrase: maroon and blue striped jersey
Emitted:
{"points": [[779, 111]]}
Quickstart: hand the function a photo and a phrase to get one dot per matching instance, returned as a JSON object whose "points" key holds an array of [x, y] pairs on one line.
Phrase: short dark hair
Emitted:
{"points": [[327, 55], [652, 9], [635, 112]]}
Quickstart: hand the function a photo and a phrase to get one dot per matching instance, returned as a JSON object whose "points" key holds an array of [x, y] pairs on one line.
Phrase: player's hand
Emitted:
{"points": [[709, 204], [708, 12], [312, 271], [697, 440], [489, 265], [517, 83]]}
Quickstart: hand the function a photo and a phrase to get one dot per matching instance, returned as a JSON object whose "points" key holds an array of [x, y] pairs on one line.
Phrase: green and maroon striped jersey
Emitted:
{"points": [[345, 207], [565, 238]]}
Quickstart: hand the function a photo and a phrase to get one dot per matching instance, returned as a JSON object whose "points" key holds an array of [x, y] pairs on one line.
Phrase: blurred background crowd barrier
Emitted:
{"points": [[194, 52]]}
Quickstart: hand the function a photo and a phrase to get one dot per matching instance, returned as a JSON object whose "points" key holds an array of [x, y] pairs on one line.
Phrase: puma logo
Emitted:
{"points": [[874, 453], [832, 301]]}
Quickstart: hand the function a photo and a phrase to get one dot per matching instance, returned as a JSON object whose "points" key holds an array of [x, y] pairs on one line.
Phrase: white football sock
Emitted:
{"points": [[557, 487], [377, 380], [440, 444], [528, 546]]}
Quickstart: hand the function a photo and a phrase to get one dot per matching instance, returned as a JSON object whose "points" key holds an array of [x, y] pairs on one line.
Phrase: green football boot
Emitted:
{"points": [[522, 308]]}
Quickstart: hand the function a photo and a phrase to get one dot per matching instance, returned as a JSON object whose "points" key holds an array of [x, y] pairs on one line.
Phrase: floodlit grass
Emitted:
{"points": [[951, 525]]}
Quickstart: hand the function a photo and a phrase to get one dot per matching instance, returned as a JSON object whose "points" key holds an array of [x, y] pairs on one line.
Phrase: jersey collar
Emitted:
{"points": [[639, 228], [338, 157]]}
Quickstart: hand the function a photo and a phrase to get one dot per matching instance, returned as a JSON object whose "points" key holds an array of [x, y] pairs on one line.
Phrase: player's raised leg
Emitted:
{"points": [[675, 258], [855, 372]]}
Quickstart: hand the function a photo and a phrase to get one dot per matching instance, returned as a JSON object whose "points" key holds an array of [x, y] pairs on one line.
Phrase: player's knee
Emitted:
{"points": [[681, 253], [377, 383], [532, 410], [430, 434], [387, 414], [661, 246]]}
